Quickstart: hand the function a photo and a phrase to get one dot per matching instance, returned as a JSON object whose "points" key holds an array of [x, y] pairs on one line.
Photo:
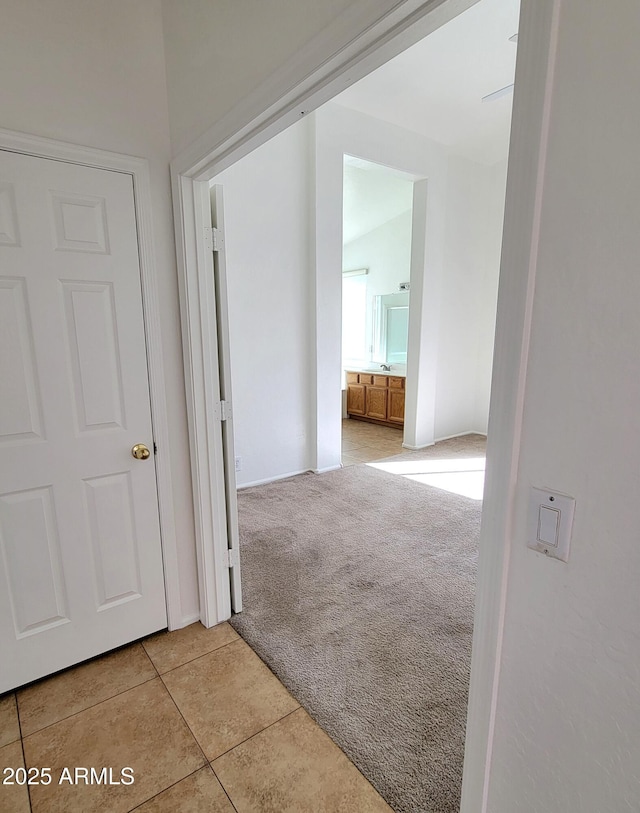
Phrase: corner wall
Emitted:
{"points": [[473, 235]]}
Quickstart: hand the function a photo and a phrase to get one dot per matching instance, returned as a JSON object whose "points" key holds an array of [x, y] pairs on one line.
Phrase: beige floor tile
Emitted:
{"points": [[170, 649], [348, 460], [199, 793], [358, 429], [293, 767], [9, 727], [60, 696], [366, 454], [13, 798], [388, 448], [348, 445], [227, 696], [383, 437], [139, 729]]}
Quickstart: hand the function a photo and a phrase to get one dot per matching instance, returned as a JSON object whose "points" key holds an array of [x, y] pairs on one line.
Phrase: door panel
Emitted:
{"points": [[396, 406], [228, 441], [94, 355], [355, 399], [376, 402], [20, 417], [80, 556], [29, 516], [110, 508]]}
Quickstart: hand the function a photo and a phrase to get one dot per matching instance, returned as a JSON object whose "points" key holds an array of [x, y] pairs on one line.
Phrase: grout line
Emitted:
{"points": [[189, 729], [207, 762], [92, 706], [24, 756], [203, 655], [247, 738], [224, 790], [262, 730], [172, 785], [144, 649], [192, 732], [117, 694]]}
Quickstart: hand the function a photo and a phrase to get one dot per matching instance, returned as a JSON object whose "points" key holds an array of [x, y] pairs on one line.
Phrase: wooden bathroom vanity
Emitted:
{"points": [[376, 397]]}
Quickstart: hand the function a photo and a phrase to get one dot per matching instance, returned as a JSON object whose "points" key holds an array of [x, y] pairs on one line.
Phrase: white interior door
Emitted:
{"points": [[224, 363], [80, 554]]}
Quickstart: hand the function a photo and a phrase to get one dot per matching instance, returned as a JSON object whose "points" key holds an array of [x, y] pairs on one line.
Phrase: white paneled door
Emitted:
{"points": [[80, 554]]}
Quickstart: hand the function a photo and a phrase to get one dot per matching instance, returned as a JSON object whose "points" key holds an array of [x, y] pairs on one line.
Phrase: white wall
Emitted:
{"points": [[568, 726], [93, 74], [267, 209], [474, 207], [223, 51], [492, 199]]}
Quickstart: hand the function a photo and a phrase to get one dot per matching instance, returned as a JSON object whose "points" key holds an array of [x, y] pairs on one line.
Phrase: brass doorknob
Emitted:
{"points": [[140, 451]]}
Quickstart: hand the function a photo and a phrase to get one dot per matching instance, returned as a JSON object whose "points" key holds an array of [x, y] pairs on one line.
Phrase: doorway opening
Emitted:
{"points": [[318, 552], [376, 272], [191, 173]]}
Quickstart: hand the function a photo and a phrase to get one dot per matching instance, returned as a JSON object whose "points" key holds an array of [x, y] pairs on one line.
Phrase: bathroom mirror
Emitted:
{"points": [[391, 328]]}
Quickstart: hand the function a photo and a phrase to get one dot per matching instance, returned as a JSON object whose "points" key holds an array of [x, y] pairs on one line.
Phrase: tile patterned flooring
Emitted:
{"points": [[206, 727], [363, 442]]}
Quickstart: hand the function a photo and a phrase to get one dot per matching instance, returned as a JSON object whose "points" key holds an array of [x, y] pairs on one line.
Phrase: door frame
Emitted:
{"points": [[271, 108], [138, 169]]}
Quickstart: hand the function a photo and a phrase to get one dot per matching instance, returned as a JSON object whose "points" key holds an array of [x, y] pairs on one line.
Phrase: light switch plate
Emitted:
{"points": [[550, 519]]}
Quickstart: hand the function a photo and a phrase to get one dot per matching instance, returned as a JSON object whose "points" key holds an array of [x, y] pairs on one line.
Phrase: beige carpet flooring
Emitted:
{"points": [[359, 594]]}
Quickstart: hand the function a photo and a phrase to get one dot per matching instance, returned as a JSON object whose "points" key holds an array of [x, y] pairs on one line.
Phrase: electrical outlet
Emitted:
{"points": [[238, 464]]}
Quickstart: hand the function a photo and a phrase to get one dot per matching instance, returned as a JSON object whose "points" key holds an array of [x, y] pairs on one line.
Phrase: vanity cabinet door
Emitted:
{"points": [[396, 406], [355, 399], [377, 403]]}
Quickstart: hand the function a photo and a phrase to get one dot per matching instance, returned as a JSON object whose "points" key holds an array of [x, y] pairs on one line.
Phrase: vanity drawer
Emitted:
{"points": [[352, 378], [396, 383], [380, 381], [365, 378]]}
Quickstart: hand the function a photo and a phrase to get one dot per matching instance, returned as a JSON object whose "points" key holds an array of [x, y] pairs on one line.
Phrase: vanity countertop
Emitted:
{"points": [[394, 373]]}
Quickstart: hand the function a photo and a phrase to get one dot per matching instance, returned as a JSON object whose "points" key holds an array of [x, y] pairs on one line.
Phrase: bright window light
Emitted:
{"points": [[354, 317], [460, 475]]}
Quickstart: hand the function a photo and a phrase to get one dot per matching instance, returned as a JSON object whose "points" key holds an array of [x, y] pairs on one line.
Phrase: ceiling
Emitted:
{"points": [[436, 87]]}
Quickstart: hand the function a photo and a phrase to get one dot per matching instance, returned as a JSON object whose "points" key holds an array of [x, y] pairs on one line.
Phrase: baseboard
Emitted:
{"points": [[438, 440], [328, 468], [461, 435], [272, 479]]}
